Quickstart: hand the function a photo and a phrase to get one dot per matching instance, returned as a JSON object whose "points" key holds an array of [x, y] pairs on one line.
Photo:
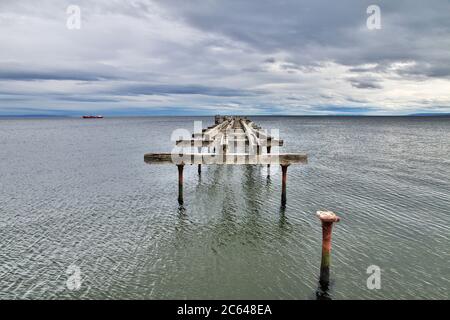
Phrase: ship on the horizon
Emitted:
{"points": [[93, 117]]}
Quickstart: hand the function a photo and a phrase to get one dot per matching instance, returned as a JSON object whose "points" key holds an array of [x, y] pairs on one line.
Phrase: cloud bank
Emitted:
{"points": [[207, 57]]}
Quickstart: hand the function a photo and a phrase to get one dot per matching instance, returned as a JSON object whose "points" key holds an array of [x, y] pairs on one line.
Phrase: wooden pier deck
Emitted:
{"points": [[232, 140]]}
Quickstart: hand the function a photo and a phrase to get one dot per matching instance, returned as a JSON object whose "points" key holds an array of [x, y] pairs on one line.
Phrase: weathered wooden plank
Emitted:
{"points": [[194, 143], [270, 142], [210, 133], [253, 141], [229, 158]]}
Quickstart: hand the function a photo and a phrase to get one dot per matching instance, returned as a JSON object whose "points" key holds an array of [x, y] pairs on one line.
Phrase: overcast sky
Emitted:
{"points": [[225, 56]]}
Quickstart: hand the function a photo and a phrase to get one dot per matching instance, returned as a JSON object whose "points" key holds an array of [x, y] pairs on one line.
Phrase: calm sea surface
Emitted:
{"points": [[77, 192]]}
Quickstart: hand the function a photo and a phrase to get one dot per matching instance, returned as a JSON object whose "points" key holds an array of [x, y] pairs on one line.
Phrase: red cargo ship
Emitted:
{"points": [[92, 117]]}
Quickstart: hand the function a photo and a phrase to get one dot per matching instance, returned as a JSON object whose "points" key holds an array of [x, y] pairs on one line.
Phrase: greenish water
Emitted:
{"points": [[77, 192]]}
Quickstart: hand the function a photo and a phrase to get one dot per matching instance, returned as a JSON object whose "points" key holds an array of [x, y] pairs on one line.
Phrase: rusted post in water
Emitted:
{"points": [[180, 183], [283, 183], [327, 218], [268, 166]]}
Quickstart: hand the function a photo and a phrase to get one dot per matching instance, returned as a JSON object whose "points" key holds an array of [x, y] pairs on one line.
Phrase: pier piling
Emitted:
{"points": [[327, 218], [180, 183], [199, 170], [283, 183]]}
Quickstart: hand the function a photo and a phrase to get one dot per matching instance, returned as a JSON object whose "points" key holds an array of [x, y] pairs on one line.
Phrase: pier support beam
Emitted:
{"points": [[283, 183], [180, 183], [327, 218]]}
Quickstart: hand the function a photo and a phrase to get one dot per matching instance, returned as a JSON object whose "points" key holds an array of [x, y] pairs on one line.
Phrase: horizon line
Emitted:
{"points": [[428, 114]]}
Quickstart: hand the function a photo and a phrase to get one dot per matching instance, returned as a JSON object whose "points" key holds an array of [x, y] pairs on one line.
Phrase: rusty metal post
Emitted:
{"points": [[283, 183], [180, 183], [327, 218], [268, 152]]}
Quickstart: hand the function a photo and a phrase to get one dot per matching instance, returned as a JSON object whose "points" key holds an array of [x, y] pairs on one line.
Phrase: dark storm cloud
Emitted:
{"points": [[185, 90], [55, 75], [375, 68], [365, 83], [85, 99], [425, 70], [57, 70], [336, 31]]}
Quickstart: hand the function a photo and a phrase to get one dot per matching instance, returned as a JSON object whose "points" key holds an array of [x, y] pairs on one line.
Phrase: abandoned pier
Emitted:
{"points": [[232, 140]]}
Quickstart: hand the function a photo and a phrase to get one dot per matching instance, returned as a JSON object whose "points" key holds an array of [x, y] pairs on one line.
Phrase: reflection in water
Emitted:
{"points": [[322, 292], [181, 211], [268, 179], [180, 184], [227, 226], [252, 229], [283, 222], [181, 230], [182, 220], [252, 188]]}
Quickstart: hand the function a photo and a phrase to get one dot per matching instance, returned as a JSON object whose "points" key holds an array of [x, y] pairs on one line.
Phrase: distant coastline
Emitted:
{"points": [[43, 116], [430, 115]]}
